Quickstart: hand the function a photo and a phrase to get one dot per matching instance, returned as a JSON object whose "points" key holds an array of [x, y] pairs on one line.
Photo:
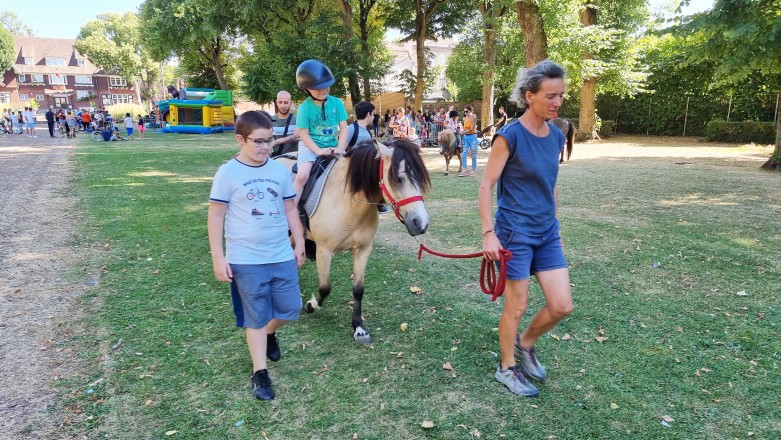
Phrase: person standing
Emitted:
{"points": [[376, 124], [400, 124], [141, 128], [470, 142], [50, 121], [129, 123], [251, 200], [524, 162], [502, 119], [29, 117], [285, 134]]}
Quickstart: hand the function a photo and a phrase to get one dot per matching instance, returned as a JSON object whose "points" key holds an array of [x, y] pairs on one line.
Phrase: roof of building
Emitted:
{"points": [[39, 49]]}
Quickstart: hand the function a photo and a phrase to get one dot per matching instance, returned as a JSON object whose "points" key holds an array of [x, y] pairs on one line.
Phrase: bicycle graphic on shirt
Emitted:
{"points": [[255, 193]]}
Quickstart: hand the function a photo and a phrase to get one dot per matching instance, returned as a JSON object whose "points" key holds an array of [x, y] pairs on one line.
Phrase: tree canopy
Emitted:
{"points": [[7, 54], [12, 23]]}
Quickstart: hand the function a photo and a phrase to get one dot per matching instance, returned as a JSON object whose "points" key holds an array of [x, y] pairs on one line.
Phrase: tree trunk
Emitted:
{"points": [[420, 50], [217, 62], [347, 34], [490, 12], [774, 163], [588, 118], [535, 42]]}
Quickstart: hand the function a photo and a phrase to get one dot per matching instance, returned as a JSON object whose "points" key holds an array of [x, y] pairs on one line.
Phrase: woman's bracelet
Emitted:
{"points": [[487, 232]]}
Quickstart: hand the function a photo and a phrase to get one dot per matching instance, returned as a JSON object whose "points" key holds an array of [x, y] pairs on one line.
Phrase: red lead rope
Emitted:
{"points": [[489, 282]]}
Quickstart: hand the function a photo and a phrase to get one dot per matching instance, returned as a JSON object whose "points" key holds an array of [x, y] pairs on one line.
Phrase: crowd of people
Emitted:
{"points": [[69, 122]]}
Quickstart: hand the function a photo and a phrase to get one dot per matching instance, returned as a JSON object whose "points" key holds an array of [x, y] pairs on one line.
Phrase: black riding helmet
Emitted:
{"points": [[314, 74]]}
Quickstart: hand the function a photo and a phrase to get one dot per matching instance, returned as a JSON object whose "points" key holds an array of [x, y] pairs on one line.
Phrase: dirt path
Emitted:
{"points": [[38, 221]]}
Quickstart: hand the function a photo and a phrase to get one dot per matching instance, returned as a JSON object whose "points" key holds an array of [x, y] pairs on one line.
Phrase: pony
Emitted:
{"points": [[568, 128], [368, 174], [449, 147]]}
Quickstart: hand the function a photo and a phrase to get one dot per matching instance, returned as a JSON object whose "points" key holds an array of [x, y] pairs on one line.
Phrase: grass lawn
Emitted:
{"points": [[675, 262]]}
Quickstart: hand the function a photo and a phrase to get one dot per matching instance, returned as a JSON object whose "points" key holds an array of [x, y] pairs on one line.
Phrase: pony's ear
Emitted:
{"points": [[384, 150]]}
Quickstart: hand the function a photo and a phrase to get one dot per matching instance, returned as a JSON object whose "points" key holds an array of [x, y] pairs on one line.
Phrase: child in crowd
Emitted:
{"points": [[141, 127], [252, 198], [129, 125], [321, 120]]}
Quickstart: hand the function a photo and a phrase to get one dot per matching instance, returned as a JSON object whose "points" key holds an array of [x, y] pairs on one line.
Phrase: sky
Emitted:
{"points": [[49, 18]]}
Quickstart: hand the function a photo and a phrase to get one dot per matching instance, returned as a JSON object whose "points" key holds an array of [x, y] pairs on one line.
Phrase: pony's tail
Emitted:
{"points": [[570, 137], [310, 249]]}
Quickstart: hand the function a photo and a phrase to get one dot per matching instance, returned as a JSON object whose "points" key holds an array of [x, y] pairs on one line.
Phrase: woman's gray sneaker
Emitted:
{"points": [[529, 363], [515, 381]]}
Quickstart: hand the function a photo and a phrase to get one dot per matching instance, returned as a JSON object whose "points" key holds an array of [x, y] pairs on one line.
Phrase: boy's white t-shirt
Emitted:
{"points": [[128, 122], [256, 229]]}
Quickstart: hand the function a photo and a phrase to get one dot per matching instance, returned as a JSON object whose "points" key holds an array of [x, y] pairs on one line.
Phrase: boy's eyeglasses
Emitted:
{"points": [[259, 142]]}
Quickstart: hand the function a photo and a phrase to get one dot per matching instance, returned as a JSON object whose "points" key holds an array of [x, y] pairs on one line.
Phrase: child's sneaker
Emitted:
{"points": [[464, 173], [261, 385], [529, 363], [515, 381], [272, 347]]}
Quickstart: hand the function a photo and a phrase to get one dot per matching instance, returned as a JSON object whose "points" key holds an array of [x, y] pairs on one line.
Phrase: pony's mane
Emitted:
{"points": [[363, 173]]}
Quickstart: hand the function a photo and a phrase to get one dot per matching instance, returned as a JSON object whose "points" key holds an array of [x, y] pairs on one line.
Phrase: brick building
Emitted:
{"points": [[52, 72]]}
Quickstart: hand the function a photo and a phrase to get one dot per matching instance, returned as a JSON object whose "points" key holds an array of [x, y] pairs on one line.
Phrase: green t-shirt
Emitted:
{"points": [[324, 129]]}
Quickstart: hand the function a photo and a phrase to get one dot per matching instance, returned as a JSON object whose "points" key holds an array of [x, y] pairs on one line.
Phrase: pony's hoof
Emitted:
{"points": [[311, 306], [446, 174], [361, 336]]}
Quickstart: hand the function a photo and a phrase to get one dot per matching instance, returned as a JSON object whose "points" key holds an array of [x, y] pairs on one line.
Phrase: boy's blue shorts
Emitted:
{"points": [[261, 292], [129, 131], [531, 254]]}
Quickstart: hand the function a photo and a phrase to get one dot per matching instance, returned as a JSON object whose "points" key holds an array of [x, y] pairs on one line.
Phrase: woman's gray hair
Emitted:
{"points": [[530, 80]]}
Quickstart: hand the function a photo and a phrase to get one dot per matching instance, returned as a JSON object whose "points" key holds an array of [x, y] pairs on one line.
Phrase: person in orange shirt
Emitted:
{"points": [[469, 141], [85, 120]]}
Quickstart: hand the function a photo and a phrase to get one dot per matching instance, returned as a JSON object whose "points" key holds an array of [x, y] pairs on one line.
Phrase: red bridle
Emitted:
{"points": [[389, 198]]}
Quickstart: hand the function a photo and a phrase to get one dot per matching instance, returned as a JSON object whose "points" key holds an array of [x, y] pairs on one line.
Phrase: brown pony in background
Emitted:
{"points": [[568, 128], [449, 147]]}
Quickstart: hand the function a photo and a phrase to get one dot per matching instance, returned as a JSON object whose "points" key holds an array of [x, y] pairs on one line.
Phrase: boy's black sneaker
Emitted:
{"points": [[261, 385], [272, 347]]}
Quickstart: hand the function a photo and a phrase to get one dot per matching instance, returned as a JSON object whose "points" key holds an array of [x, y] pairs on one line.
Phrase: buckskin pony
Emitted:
{"points": [[346, 219]]}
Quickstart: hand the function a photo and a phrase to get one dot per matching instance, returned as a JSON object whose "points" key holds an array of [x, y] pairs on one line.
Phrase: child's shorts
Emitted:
{"points": [[532, 254], [261, 292], [305, 154], [129, 131], [141, 129]]}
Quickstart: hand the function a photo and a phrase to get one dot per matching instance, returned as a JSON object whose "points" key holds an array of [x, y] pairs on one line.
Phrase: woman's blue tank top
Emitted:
{"points": [[525, 199]]}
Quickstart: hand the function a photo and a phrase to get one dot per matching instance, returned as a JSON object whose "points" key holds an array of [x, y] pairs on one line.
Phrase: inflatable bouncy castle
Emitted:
{"points": [[202, 111]]}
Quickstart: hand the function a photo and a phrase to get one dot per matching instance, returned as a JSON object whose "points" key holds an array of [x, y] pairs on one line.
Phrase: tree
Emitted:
{"points": [[742, 37], [422, 20], [605, 50], [7, 53], [535, 41], [200, 29], [14, 25], [490, 11], [113, 43]]}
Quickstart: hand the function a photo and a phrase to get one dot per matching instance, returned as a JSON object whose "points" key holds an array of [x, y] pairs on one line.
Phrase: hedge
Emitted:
{"points": [[746, 131]]}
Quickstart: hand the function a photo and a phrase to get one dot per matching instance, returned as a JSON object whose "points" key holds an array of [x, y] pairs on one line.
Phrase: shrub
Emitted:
{"points": [[118, 110], [608, 128], [746, 131]]}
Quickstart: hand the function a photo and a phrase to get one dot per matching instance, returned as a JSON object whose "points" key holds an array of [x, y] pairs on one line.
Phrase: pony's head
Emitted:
{"points": [[404, 176], [445, 137]]}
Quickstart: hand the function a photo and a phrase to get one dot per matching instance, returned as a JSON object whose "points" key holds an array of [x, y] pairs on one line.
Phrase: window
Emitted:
{"points": [[39, 97], [23, 97], [83, 95], [54, 79], [121, 99], [80, 63], [5, 98], [22, 78], [116, 81], [36, 78], [83, 79], [53, 61], [28, 60]]}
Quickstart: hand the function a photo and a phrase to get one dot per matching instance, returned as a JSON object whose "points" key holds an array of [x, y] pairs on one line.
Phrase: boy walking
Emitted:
{"points": [[252, 198]]}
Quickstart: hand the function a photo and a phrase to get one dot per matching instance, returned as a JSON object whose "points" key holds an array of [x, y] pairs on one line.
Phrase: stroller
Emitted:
{"points": [[485, 141]]}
